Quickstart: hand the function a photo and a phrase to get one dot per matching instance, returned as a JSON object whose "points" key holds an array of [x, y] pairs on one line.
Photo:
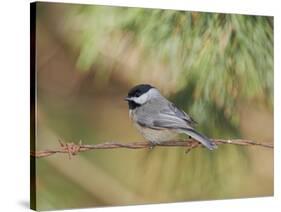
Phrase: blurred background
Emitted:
{"points": [[217, 67]]}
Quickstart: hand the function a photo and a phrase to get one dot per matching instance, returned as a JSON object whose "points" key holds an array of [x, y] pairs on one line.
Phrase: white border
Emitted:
{"points": [[14, 110]]}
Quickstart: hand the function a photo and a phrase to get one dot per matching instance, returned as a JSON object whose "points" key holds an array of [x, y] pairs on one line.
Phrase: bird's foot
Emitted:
{"points": [[153, 144]]}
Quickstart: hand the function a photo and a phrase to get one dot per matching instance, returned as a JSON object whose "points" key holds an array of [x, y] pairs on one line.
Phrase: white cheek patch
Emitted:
{"points": [[141, 99]]}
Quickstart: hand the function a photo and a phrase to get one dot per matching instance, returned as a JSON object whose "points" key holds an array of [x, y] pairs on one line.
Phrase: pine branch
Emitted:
{"points": [[72, 149]]}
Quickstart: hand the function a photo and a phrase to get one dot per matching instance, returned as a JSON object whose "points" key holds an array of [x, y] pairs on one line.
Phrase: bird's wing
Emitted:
{"points": [[162, 121], [163, 117], [172, 109], [170, 121]]}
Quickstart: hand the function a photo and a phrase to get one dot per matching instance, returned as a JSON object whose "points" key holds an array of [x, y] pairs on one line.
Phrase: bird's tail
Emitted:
{"points": [[201, 138]]}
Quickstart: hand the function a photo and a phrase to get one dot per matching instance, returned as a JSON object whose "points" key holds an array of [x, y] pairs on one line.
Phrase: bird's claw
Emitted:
{"points": [[152, 144]]}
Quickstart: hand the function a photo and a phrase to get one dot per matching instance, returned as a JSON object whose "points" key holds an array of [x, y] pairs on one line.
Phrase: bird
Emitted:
{"points": [[158, 119]]}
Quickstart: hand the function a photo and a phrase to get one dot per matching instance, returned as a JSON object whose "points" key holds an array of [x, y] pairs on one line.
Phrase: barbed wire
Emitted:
{"points": [[72, 149]]}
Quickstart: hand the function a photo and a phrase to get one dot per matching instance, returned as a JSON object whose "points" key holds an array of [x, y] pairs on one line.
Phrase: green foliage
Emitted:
{"points": [[216, 59]]}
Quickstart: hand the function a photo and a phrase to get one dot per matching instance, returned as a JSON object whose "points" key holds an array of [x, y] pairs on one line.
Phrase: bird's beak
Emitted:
{"points": [[127, 99]]}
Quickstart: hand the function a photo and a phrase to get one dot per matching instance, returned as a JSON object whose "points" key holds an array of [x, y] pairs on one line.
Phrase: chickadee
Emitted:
{"points": [[158, 119]]}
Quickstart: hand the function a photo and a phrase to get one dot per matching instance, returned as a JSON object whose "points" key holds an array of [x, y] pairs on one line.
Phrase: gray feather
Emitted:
{"points": [[180, 113], [201, 138]]}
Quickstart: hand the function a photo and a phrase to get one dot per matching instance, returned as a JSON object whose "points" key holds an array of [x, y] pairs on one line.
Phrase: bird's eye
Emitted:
{"points": [[137, 94]]}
